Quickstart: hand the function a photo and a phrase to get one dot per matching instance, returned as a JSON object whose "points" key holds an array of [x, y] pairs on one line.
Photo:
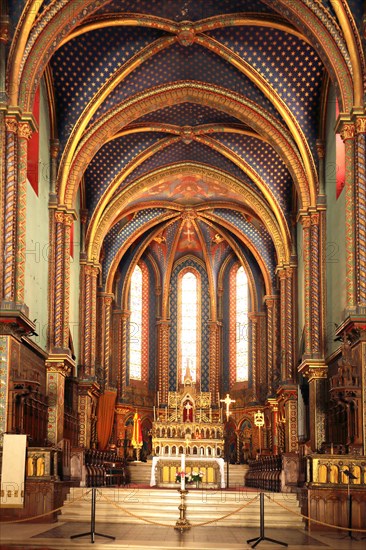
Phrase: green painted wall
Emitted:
{"points": [[37, 245], [75, 285], [335, 241]]}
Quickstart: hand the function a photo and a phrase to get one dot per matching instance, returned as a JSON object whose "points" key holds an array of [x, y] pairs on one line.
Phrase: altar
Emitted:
{"points": [[165, 468]]}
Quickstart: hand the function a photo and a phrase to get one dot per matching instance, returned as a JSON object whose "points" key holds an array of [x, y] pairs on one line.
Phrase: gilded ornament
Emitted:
{"points": [[361, 125], [348, 131], [24, 130], [11, 125], [186, 34]]}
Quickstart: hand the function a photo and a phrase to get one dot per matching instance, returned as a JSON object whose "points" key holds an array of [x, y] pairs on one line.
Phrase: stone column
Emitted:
{"points": [[163, 359], [10, 212], [290, 324], [274, 421], [262, 355], [348, 135], [306, 247], [214, 358], [24, 134], [360, 190], [123, 374], [108, 299], [58, 281], [282, 323], [271, 302], [316, 296], [253, 320], [89, 297]]}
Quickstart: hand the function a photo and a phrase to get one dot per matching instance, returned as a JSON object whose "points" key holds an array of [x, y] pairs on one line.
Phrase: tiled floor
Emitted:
{"points": [[142, 537]]}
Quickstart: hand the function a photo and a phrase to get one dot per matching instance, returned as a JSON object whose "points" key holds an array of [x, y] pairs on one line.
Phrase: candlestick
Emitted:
{"points": [[182, 472]]}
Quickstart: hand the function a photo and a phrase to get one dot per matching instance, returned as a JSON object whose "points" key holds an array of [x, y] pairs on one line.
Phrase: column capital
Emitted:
{"points": [[313, 369], [320, 148], [361, 125], [54, 148], [24, 130], [347, 131], [11, 124]]}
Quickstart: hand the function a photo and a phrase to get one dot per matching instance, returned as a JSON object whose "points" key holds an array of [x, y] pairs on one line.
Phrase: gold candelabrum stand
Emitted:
{"points": [[182, 523]]}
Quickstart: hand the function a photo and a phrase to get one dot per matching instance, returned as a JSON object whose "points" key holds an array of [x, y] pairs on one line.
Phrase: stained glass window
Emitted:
{"points": [[242, 336], [135, 340], [188, 325]]}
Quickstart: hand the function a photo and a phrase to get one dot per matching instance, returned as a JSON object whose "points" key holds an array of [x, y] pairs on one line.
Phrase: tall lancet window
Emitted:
{"points": [[188, 325], [242, 336], [135, 332]]}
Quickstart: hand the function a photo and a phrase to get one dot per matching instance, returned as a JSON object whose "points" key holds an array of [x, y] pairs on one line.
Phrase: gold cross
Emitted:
{"points": [[228, 402]]}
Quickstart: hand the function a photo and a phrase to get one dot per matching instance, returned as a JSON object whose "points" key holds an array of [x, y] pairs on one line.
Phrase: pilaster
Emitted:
{"points": [[317, 373], [58, 366]]}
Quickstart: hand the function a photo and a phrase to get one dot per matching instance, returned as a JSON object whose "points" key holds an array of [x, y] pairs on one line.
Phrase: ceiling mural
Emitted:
{"points": [[213, 173]]}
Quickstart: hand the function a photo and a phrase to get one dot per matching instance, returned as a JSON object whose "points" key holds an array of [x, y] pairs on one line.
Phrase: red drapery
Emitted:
{"points": [[105, 416]]}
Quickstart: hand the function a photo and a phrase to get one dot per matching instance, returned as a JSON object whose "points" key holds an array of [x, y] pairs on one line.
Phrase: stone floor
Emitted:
{"points": [[142, 537]]}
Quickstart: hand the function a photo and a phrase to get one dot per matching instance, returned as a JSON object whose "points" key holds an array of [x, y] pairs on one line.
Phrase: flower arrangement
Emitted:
{"points": [[189, 478]]}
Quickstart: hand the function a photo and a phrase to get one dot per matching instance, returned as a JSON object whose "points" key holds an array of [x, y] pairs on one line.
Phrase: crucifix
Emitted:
{"points": [[227, 402], [188, 408]]}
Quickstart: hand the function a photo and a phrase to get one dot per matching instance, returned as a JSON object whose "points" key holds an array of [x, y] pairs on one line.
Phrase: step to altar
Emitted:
{"points": [[160, 506]]}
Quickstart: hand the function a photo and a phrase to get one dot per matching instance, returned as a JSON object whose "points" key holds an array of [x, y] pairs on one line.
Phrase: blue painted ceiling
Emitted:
{"points": [[290, 68]]}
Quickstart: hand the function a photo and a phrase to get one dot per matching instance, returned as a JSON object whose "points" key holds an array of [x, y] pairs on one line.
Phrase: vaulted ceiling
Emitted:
{"points": [[190, 126]]}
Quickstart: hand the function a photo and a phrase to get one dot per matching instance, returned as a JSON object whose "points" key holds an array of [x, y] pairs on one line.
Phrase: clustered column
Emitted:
{"points": [[163, 359]]}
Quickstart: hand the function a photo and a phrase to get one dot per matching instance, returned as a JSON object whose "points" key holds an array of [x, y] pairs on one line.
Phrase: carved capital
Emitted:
{"points": [[305, 221], [315, 218], [59, 217], [348, 131], [24, 130], [11, 125], [314, 372], [68, 219], [320, 148], [361, 125]]}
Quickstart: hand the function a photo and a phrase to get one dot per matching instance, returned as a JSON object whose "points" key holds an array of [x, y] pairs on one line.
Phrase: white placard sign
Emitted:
{"points": [[13, 471]]}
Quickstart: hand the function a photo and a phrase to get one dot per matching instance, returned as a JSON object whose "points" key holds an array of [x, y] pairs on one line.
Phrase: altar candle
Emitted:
{"points": [[157, 397], [166, 414], [210, 414], [154, 414], [182, 472]]}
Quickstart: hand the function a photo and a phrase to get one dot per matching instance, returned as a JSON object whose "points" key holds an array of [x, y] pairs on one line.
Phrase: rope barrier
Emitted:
{"points": [[314, 520], [169, 525], [221, 518], [46, 513]]}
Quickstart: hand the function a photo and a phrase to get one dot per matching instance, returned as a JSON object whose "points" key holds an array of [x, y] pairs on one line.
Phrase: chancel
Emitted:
{"points": [[183, 222]]}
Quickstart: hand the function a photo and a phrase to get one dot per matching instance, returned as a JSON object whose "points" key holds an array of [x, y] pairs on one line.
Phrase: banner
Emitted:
{"points": [[13, 471]]}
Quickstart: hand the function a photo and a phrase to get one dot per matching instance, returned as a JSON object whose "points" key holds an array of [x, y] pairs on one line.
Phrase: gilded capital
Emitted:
{"points": [[24, 130], [320, 148], [361, 125], [59, 217], [305, 221], [315, 219], [11, 125], [348, 131]]}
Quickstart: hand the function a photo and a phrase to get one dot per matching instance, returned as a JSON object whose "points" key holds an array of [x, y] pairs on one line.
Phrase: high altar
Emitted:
{"points": [[189, 426]]}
